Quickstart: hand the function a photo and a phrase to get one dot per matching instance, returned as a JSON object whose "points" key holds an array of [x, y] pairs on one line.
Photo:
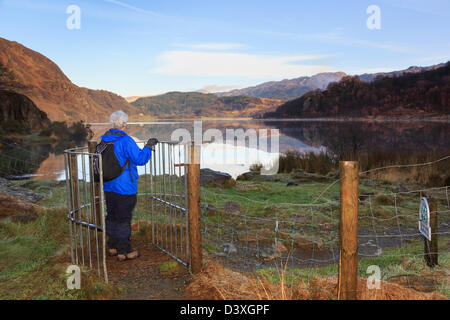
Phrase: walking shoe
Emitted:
{"points": [[112, 252], [129, 256]]}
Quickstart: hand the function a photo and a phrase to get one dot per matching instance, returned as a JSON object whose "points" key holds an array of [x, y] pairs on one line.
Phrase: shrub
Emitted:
{"points": [[311, 162], [256, 167]]}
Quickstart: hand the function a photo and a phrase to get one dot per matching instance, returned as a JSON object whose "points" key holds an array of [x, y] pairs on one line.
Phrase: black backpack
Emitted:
{"points": [[110, 165]]}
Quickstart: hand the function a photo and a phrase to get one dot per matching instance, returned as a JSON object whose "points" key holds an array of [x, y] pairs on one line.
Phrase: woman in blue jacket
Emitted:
{"points": [[121, 192]]}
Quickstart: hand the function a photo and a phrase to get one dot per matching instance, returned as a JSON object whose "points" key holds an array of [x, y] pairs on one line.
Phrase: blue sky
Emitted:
{"points": [[140, 48]]}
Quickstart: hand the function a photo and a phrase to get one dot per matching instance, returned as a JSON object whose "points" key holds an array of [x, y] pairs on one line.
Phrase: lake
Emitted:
{"points": [[265, 139]]}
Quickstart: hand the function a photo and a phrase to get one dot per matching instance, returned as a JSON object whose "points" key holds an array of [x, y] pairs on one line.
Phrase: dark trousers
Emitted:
{"points": [[119, 209]]}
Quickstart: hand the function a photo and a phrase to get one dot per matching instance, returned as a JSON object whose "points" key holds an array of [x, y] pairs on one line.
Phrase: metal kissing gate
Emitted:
{"points": [[162, 206]]}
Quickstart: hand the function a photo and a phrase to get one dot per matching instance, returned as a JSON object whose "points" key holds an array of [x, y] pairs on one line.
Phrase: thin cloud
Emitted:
{"points": [[126, 5], [220, 64]]}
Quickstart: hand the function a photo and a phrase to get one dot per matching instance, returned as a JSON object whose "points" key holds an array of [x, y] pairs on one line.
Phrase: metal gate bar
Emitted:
{"points": [[164, 205], [168, 197], [85, 211]]}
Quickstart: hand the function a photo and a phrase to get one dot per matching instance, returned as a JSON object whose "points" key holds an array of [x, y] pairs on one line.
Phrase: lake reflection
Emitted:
{"points": [[337, 137]]}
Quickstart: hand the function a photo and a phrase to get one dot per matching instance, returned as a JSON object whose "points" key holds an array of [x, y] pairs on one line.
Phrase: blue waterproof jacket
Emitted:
{"points": [[126, 148]]}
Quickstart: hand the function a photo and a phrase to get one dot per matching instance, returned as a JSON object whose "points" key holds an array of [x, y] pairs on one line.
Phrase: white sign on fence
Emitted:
{"points": [[424, 219]]}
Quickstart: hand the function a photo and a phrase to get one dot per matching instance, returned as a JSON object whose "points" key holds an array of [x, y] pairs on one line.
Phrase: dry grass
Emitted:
{"points": [[312, 162], [219, 283], [434, 175]]}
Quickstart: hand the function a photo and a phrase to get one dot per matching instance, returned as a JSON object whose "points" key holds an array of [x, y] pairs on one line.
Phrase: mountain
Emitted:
{"points": [[196, 104], [411, 95], [369, 77], [294, 88], [132, 98], [18, 113], [287, 89], [28, 72]]}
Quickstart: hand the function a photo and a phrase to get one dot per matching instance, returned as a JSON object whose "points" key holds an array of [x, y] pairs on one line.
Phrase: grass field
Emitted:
{"points": [[34, 258], [35, 255]]}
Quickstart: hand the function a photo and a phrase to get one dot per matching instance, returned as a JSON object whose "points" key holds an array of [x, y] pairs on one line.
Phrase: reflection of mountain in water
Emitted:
{"points": [[336, 136], [163, 131], [43, 159], [342, 136], [52, 167], [339, 137]]}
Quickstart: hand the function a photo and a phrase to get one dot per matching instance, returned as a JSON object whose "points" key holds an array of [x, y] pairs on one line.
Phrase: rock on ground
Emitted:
{"points": [[15, 199], [210, 177], [232, 207]]}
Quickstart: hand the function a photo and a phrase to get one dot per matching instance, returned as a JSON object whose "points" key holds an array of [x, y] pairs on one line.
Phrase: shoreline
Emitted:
{"points": [[177, 120]]}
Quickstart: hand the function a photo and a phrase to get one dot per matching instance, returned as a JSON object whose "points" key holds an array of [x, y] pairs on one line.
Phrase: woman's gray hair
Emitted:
{"points": [[118, 118]]}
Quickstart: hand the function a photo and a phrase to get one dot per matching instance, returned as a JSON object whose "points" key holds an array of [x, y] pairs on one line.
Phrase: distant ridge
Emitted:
{"points": [[369, 77], [196, 104], [132, 99], [289, 88]]}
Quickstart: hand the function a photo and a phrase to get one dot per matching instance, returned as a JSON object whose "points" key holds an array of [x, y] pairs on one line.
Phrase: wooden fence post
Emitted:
{"points": [[95, 188], [348, 251], [431, 247], [194, 208]]}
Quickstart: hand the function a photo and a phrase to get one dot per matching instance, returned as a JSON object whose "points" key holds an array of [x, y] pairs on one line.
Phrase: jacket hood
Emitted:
{"points": [[113, 135]]}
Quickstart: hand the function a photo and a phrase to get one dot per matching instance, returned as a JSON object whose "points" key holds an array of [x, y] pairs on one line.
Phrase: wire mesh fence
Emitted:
{"points": [[270, 238], [295, 241], [287, 235]]}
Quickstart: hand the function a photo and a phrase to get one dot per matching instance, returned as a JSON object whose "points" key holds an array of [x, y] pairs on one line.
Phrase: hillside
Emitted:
{"points": [[412, 95], [20, 114], [30, 73], [196, 104], [287, 89]]}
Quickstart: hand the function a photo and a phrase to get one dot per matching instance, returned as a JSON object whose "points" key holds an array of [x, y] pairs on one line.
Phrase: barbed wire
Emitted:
{"points": [[406, 165]]}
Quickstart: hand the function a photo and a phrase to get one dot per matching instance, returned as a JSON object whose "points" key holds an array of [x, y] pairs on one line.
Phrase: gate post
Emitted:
{"points": [[95, 189], [348, 250], [431, 255], [194, 208]]}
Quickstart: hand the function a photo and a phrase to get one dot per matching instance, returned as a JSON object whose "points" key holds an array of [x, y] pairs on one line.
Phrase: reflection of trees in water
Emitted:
{"points": [[351, 138], [16, 160], [22, 159], [342, 138], [163, 131]]}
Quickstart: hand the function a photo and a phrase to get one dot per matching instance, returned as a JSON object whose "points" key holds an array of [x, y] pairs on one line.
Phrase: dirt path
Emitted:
{"points": [[141, 279]]}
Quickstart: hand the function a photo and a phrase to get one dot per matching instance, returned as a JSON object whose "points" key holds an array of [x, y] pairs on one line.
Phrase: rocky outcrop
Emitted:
{"points": [[22, 111]]}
